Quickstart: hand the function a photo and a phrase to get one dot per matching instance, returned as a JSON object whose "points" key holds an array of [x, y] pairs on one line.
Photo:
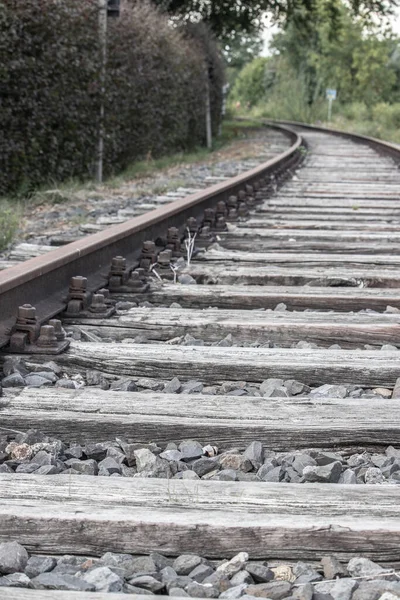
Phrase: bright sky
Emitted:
{"points": [[270, 30]]}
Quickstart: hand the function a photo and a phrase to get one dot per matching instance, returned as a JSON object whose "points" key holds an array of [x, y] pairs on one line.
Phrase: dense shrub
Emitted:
{"points": [[50, 92]]}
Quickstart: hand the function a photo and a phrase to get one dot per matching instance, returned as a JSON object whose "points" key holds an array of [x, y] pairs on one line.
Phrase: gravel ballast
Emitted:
{"points": [[191, 575], [36, 453]]}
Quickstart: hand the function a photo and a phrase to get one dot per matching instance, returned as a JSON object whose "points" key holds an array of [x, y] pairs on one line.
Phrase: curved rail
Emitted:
{"points": [[379, 145], [43, 281]]}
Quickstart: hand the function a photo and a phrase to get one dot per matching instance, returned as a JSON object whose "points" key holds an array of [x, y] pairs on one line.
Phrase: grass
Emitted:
{"points": [[54, 193], [10, 215]]}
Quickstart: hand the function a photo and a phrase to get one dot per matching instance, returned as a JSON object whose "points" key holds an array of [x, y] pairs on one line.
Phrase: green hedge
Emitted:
{"points": [[50, 89]]}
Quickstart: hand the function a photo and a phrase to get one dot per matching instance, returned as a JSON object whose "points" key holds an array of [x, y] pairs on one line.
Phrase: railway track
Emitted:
{"points": [[230, 395]]}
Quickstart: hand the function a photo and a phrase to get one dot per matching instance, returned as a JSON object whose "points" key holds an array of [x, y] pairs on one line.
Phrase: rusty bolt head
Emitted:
{"points": [[97, 301], [78, 283], [119, 263], [105, 292], [58, 329], [164, 257], [148, 247], [173, 233], [27, 312], [47, 336], [232, 201]]}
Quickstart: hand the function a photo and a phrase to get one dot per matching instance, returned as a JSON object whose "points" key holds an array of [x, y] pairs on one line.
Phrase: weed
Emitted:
{"points": [[9, 219]]}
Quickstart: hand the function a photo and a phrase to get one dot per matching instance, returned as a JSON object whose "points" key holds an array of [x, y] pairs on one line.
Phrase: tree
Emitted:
{"points": [[353, 58], [231, 18]]}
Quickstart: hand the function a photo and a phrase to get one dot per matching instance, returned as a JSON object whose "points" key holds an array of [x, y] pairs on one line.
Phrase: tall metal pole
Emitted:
{"points": [[103, 60]]}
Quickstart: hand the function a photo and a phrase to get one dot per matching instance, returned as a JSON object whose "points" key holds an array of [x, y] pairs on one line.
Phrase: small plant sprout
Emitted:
{"points": [[152, 270], [174, 269], [189, 246]]}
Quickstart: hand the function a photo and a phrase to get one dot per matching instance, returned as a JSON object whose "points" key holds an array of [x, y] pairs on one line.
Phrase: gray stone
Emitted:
{"points": [[361, 567], [186, 279], [301, 461], [150, 465], [275, 474], [259, 572], [242, 577], [15, 580], [190, 449], [325, 458], [108, 466], [275, 590], [172, 455], [348, 476], [46, 375], [303, 592], [255, 454], [58, 581], [103, 579], [268, 386], [341, 589], [332, 567], [180, 581], [234, 592], [178, 592], [85, 467], [373, 590], [237, 563], [202, 590], [373, 475], [147, 582], [121, 564], [39, 564], [192, 387], [235, 461], [219, 580], [329, 391], [13, 558], [226, 475], [36, 380], [265, 469], [160, 560], [185, 563], [173, 387], [296, 387], [203, 465], [200, 572], [168, 574], [48, 470], [14, 364], [6, 469], [124, 385], [66, 383], [13, 380], [304, 573], [325, 474]]}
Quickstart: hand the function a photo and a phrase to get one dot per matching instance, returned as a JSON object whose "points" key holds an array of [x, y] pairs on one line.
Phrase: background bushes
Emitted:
{"points": [[50, 91]]}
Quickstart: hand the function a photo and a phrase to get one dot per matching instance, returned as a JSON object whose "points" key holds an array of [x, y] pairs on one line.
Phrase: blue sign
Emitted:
{"points": [[331, 94]]}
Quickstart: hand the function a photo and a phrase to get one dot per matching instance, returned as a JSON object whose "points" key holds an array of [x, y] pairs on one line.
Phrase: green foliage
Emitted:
{"points": [[253, 82], [51, 89], [230, 19], [361, 60], [9, 218]]}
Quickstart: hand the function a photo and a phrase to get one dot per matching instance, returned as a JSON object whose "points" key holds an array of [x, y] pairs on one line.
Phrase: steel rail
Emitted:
{"points": [[381, 146], [43, 281]]}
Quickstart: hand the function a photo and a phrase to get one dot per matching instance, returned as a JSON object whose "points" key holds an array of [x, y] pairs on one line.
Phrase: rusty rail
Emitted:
{"points": [[43, 281]]}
